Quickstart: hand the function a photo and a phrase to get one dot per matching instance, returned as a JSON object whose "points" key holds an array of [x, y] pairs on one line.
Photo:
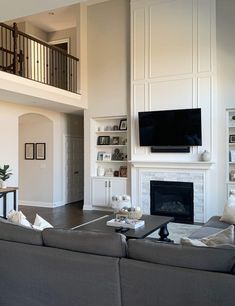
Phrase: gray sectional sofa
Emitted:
{"points": [[65, 268]]}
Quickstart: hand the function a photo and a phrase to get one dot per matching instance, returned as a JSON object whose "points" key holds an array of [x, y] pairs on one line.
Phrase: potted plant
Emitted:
{"points": [[5, 174]]}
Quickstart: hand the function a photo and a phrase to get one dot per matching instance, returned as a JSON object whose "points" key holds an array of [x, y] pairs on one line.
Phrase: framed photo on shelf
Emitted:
{"points": [[232, 138], [123, 124], [106, 156], [103, 140], [29, 150], [40, 151], [100, 155], [232, 155], [123, 171], [115, 141]]}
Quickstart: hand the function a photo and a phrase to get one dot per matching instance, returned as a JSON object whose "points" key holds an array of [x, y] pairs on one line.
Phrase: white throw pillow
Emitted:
{"points": [[19, 218], [223, 237], [192, 242], [229, 211], [40, 223]]}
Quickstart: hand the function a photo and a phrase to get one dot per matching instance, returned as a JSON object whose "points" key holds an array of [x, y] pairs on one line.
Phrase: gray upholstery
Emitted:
{"points": [[204, 231], [42, 276], [17, 233], [81, 268], [86, 241], [215, 222], [151, 284], [200, 258]]}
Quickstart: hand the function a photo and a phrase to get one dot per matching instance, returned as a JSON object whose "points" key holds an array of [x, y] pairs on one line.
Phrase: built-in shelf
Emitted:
{"points": [[111, 161], [110, 177], [110, 146], [111, 132]]}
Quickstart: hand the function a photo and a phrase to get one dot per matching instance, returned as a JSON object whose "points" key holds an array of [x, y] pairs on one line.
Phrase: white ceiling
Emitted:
{"points": [[53, 20]]}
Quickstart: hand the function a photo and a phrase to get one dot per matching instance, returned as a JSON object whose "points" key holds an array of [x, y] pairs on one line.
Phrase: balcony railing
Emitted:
{"points": [[26, 56]]}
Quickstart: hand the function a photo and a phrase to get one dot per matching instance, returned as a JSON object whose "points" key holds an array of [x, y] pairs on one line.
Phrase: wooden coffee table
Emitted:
{"points": [[152, 223]]}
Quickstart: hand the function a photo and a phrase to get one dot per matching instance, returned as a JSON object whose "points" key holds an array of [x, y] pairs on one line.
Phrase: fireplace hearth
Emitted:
{"points": [[173, 199]]}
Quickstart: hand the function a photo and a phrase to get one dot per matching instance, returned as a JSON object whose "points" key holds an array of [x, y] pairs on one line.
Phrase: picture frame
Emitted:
{"points": [[232, 138], [115, 140], [29, 151], [232, 155], [40, 151], [106, 156], [100, 155], [123, 124], [123, 171], [103, 140]]}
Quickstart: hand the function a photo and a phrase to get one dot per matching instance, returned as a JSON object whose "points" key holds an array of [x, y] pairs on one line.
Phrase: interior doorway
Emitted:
{"points": [[74, 169]]}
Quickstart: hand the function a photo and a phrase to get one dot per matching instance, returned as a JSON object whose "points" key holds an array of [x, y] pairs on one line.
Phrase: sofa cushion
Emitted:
{"points": [[229, 211], [209, 259], [19, 233], [224, 236], [86, 241]]}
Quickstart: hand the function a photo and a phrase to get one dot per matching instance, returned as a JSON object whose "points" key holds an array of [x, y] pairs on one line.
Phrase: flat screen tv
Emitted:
{"points": [[181, 127]]}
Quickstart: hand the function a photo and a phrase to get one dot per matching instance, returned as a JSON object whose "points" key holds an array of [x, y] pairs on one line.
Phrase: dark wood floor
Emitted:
{"points": [[66, 216]]}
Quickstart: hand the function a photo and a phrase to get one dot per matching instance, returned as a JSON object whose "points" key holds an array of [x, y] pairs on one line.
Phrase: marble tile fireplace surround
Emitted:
{"points": [[195, 173]]}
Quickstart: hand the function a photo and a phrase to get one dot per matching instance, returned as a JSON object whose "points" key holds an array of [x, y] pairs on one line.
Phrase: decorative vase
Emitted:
{"points": [[3, 184], [100, 171], [206, 156]]}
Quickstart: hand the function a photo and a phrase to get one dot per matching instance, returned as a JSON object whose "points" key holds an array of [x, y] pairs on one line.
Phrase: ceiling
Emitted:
{"points": [[53, 20], [52, 15]]}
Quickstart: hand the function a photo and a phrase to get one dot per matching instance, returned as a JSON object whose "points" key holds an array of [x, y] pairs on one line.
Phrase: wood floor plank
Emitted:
{"points": [[67, 216]]}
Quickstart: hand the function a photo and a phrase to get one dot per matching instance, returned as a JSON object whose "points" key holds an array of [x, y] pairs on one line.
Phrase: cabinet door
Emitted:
{"points": [[100, 190], [117, 187]]}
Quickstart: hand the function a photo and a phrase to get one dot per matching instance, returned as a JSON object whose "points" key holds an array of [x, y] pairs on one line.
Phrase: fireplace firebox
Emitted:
{"points": [[173, 199]]}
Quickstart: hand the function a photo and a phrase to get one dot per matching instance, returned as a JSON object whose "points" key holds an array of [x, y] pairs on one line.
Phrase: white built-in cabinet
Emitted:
{"points": [[230, 150], [109, 136], [104, 188]]}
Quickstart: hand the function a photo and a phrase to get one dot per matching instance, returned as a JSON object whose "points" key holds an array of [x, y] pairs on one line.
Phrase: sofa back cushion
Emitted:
{"points": [[18, 233], [86, 241], [200, 258]]}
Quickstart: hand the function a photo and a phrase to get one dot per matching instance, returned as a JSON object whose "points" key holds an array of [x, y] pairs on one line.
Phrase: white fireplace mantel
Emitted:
{"points": [[200, 165]]}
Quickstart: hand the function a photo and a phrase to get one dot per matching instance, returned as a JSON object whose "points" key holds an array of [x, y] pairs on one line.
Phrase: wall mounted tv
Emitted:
{"points": [[180, 127]]}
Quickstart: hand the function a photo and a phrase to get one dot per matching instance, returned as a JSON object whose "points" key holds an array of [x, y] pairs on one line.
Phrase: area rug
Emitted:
{"points": [[177, 231]]}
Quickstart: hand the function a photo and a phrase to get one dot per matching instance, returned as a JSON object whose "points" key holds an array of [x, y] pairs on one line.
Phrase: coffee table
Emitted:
{"points": [[152, 223]]}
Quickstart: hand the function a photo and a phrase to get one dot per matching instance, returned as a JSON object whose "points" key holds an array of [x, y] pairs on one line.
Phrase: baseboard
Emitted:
{"points": [[41, 204]]}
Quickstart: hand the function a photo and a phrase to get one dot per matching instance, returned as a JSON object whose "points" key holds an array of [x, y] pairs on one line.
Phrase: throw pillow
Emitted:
{"points": [[223, 237], [19, 218], [229, 211], [40, 223]]}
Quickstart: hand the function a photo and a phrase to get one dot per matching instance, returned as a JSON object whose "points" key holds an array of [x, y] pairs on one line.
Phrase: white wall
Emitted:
{"points": [[36, 176], [9, 154], [225, 25], [108, 68]]}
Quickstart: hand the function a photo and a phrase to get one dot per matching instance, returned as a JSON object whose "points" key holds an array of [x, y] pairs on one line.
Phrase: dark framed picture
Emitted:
{"points": [[123, 124], [40, 150], [231, 138], [123, 171], [29, 150], [103, 140], [115, 141]]}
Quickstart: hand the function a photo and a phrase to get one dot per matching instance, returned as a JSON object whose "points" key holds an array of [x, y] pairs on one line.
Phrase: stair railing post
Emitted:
{"points": [[15, 36]]}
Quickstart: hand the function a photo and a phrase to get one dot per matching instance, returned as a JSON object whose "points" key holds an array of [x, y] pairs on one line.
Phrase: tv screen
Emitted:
{"points": [[181, 127]]}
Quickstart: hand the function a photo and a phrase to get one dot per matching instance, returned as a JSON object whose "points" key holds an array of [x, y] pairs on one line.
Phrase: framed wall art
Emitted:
{"points": [[40, 150], [29, 150]]}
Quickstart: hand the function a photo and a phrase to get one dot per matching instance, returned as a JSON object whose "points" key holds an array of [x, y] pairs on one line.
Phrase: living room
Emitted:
{"points": [[152, 56]]}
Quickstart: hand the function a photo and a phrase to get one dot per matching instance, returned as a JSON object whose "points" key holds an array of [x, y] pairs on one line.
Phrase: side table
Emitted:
{"points": [[3, 194]]}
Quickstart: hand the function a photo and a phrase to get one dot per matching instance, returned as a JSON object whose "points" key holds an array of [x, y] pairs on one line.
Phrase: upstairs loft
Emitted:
{"points": [[39, 65]]}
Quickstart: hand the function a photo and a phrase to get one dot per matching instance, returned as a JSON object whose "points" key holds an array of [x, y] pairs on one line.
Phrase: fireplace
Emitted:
{"points": [[174, 199]]}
